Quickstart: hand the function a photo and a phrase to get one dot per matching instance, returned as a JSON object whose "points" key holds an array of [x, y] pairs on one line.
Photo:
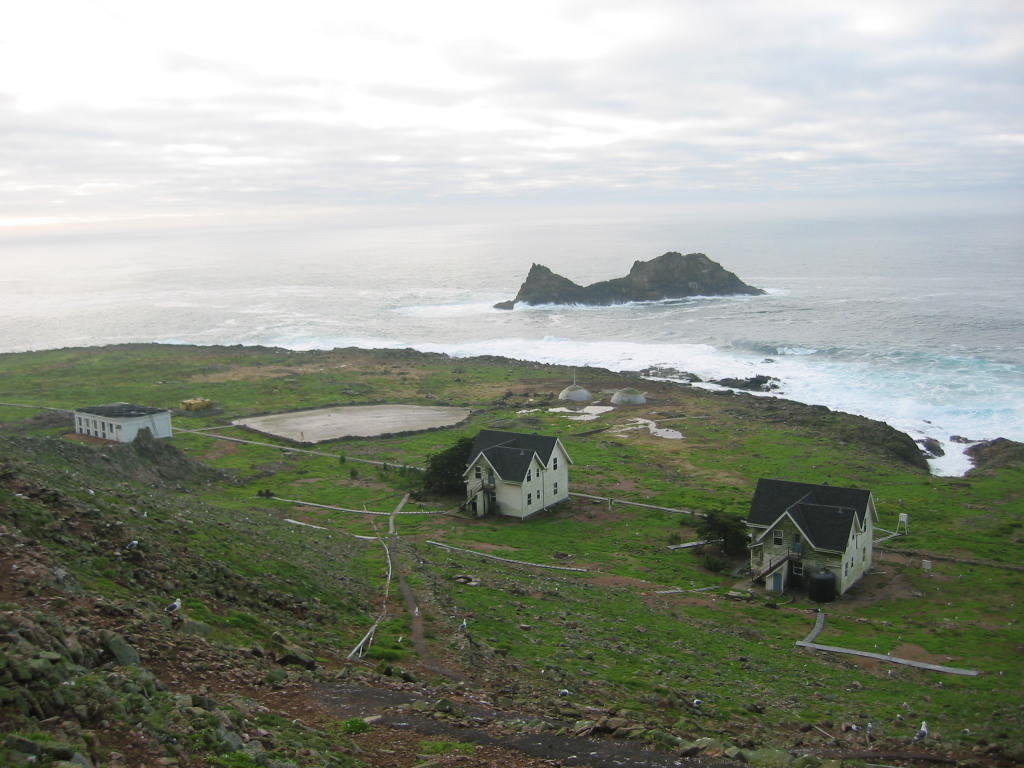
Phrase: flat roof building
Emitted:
{"points": [[121, 422]]}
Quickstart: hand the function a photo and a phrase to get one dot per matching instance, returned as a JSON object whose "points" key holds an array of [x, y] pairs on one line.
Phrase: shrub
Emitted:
{"points": [[731, 529], [445, 468], [715, 563], [355, 725]]}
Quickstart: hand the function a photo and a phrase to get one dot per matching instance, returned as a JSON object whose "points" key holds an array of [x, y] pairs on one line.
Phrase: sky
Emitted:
{"points": [[134, 113]]}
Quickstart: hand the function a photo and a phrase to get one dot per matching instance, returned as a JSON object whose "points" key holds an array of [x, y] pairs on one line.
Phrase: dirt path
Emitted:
{"points": [[418, 639]]}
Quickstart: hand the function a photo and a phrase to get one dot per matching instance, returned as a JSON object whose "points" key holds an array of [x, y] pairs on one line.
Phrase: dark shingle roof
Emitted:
{"points": [[824, 513], [510, 453], [123, 410]]}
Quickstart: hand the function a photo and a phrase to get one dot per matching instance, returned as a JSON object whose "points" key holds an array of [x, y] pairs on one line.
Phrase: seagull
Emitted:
{"points": [[922, 732], [174, 607], [697, 703], [564, 692], [869, 731], [131, 545], [899, 717], [463, 625]]}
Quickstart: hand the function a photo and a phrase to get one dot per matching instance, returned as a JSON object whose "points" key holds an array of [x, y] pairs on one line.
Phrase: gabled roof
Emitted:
{"points": [[824, 513], [510, 453], [123, 410]]}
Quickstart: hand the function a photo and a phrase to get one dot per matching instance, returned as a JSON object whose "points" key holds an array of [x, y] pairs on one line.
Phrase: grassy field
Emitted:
{"points": [[605, 634]]}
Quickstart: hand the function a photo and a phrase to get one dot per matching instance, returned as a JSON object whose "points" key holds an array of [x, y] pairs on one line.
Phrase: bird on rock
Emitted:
{"points": [[174, 607]]}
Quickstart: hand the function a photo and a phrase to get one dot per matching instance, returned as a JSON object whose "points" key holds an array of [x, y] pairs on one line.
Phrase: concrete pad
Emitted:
{"points": [[321, 424]]}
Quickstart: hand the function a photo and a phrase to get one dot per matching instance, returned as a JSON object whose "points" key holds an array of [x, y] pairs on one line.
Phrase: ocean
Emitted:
{"points": [[917, 321]]}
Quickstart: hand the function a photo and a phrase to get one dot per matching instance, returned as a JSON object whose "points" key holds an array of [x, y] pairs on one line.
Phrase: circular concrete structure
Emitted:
{"points": [[629, 396], [576, 394], [321, 424]]}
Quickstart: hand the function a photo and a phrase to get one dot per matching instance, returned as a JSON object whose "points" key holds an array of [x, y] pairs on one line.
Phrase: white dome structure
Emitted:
{"points": [[575, 393], [629, 396]]}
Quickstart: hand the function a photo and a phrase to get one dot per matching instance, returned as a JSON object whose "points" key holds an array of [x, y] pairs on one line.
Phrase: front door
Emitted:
{"points": [[776, 582]]}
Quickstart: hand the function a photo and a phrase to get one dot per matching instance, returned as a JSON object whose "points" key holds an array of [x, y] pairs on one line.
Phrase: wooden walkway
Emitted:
{"points": [[398, 511], [203, 432], [819, 625], [612, 501], [505, 559]]}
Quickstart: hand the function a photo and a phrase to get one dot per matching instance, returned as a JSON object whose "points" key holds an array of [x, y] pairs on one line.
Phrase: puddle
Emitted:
{"points": [[586, 413], [653, 428]]}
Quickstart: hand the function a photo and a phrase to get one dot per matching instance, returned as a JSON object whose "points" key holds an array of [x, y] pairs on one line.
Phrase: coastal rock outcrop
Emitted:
{"points": [[995, 454], [670, 276]]}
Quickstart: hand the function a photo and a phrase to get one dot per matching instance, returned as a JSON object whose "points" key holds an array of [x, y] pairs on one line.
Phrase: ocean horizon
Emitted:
{"points": [[915, 321]]}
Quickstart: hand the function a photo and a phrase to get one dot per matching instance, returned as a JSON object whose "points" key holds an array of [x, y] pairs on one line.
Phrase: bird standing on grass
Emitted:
{"points": [[174, 607], [922, 732]]}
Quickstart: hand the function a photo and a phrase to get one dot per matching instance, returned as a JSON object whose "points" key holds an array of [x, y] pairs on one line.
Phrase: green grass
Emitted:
{"points": [[605, 635]]}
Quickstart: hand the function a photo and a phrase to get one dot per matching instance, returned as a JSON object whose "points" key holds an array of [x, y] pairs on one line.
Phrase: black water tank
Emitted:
{"points": [[822, 588]]}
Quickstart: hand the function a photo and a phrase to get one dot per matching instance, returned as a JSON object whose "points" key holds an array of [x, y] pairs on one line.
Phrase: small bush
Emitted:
{"points": [[355, 725], [715, 563]]}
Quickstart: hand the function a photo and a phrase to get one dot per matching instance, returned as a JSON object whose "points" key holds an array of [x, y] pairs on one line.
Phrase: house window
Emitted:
{"points": [[555, 489], [477, 473], [777, 538], [554, 463], [529, 475], [798, 569], [529, 499]]}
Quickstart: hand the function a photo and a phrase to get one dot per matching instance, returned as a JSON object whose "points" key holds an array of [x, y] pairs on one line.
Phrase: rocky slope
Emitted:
{"points": [[670, 276]]}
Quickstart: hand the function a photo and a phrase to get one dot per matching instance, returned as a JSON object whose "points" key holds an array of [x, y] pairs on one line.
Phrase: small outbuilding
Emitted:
{"points": [[515, 474], [629, 396], [121, 422]]}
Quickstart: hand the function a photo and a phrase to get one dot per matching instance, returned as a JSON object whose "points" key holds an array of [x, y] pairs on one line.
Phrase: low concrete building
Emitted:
{"points": [[799, 531], [515, 474], [122, 421]]}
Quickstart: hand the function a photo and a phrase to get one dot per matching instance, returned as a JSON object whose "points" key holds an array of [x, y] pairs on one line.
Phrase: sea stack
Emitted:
{"points": [[670, 276]]}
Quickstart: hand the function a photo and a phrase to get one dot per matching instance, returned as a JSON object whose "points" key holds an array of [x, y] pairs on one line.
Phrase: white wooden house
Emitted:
{"points": [[515, 474], [122, 421], [799, 530]]}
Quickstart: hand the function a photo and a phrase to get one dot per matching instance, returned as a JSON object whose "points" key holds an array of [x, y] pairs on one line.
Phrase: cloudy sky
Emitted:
{"points": [[137, 110]]}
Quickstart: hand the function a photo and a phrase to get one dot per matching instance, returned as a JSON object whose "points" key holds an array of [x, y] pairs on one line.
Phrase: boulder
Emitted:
{"points": [[120, 649], [758, 383], [293, 655]]}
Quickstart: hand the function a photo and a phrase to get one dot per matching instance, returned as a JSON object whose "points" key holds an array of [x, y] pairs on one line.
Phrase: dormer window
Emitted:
{"points": [[778, 537], [554, 462], [477, 473], [529, 475]]}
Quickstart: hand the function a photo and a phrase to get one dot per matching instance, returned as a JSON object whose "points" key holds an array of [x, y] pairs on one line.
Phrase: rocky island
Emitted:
{"points": [[670, 276]]}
